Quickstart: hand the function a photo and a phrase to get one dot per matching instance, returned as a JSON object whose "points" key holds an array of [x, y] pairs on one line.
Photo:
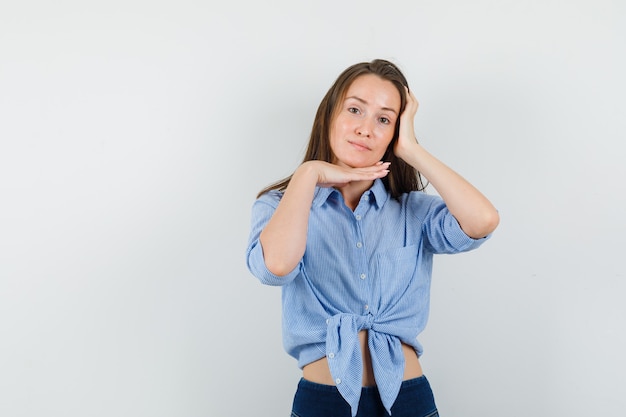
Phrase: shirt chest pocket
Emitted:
{"points": [[395, 272]]}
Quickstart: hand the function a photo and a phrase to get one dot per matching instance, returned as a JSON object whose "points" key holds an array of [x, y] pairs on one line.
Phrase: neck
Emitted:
{"points": [[353, 191]]}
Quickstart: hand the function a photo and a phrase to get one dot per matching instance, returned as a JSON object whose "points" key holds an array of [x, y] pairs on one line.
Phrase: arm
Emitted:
{"points": [[475, 214], [284, 237]]}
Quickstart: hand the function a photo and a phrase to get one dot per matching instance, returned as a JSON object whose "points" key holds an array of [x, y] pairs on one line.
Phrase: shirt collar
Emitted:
{"points": [[377, 191], [380, 193]]}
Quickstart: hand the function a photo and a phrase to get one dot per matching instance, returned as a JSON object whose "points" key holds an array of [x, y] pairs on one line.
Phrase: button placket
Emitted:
{"points": [[363, 264]]}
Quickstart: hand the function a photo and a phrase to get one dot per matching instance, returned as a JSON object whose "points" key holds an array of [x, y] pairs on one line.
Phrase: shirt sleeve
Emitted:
{"points": [[262, 211], [442, 232]]}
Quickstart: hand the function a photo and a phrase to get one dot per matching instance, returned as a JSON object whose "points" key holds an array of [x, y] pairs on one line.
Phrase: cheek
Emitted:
{"points": [[386, 136], [338, 130], [340, 124]]}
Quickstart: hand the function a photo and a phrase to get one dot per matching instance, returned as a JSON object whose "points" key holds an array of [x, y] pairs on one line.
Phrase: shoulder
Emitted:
{"points": [[271, 197], [420, 205], [420, 198]]}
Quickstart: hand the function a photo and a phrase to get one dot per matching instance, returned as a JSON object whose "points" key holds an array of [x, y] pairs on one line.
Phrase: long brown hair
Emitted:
{"points": [[402, 177]]}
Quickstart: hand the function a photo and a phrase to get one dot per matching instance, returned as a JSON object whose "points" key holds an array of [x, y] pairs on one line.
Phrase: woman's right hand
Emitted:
{"points": [[284, 237], [331, 175]]}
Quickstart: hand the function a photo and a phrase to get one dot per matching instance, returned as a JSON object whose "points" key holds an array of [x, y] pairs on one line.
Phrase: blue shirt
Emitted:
{"points": [[364, 269]]}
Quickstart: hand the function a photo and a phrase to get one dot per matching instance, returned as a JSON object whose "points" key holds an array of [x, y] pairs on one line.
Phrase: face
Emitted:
{"points": [[364, 123]]}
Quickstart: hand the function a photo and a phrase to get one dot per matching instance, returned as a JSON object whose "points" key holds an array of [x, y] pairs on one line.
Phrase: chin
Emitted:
{"points": [[355, 163]]}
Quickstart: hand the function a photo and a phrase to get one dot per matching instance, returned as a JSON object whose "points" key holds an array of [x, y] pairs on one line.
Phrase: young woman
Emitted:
{"points": [[350, 237]]}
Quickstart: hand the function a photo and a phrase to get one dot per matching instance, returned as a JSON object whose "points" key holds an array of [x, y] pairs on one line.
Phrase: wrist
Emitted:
{"points": [[406, 146], [308, 172]]}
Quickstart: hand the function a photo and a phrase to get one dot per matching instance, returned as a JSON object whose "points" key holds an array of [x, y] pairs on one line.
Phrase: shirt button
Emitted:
{"points": [[359, 244], [338, 381], [367, 197], [358, 217], [367, 307], [363, 276], [331, 355]]}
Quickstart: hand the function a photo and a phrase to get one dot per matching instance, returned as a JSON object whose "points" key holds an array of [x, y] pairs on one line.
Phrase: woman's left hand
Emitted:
{"points": [[406, 138], [472, 210]]}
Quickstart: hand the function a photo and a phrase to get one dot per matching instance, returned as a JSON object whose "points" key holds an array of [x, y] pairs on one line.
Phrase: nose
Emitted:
{"points": [[365, 128]]}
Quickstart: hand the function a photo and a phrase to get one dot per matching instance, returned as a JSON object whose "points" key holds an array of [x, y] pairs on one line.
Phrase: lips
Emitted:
{"points": [[358, 145]]}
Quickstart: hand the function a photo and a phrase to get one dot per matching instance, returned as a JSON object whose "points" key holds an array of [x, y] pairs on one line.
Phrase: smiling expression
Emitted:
{"points": [[364, 123]]}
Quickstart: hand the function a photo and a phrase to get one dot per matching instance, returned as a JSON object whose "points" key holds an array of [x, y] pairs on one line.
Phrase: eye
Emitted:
{"points": [[384, 120], [353, 110]]}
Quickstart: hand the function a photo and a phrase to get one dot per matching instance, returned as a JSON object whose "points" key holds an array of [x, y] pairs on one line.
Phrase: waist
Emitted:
{"points": [[319, 372]]}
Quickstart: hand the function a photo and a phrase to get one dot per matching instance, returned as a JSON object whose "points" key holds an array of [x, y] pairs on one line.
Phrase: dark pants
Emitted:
{"points": [[316, 400]]}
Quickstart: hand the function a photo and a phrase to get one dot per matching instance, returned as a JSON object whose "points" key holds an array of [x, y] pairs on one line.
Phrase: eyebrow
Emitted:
{"points": [[365, 102]]}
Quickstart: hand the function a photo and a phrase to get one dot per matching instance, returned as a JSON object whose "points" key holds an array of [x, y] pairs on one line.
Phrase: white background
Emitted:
{"points": [[134, 136]]}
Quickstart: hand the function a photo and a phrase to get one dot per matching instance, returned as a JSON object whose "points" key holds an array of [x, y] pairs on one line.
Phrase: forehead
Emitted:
{"points": [[375, 91]]}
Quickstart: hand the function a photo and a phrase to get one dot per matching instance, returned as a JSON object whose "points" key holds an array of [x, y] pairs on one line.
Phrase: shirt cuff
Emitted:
{"points": [[256, 264]]}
